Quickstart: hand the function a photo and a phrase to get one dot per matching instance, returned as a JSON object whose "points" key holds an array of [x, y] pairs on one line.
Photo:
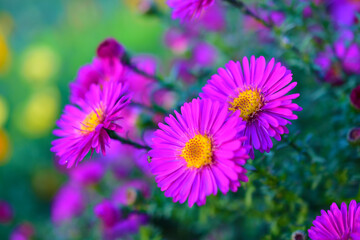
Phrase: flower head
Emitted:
{"points": [[336, 224], [188, 9], [110, 48], [198, 151], [259, 91], [83, 129]]}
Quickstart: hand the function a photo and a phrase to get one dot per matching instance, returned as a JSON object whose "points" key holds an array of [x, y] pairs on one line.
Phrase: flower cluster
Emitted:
{"points": [[200, 149]]}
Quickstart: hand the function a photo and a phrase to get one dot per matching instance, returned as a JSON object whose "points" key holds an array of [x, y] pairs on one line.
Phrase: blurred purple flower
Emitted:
{"points": [[140, 86], [351, 59], [253, 25], [69, 202], [84, 129], [332, 71], [177, 40], [6, 213], [107, 66], [127, 194], [126, 226], [188, 9], [88, 173], [355, 97], [307, 12], [24, 231], [110, 49], [336, 223], [343, 12], [108, 213], [204, 54], [213, 19], [87, 75], [276, 17], [348, 52]]}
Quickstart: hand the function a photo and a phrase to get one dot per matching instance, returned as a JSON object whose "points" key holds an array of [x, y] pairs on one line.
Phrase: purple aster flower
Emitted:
{"points": [[259, 91], [188, 9], [177, 40], [351, 59], [336, 224], [69, 202], [83, 129], [198, 152]]}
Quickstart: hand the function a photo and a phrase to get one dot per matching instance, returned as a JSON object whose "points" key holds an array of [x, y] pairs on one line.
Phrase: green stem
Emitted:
{"points": [[297, 148], [114, 136], [126, 60]]}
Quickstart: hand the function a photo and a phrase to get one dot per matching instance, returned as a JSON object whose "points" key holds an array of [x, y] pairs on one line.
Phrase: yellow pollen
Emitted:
{"points": [[92, 120], [197, 151], [249, 102]]}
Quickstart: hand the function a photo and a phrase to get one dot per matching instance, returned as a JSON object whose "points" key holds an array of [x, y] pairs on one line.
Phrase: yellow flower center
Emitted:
{"points": [[197, 151], [249, 102], [92, 120]]}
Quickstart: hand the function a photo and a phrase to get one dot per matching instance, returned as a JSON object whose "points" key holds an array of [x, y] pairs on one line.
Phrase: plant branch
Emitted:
{"points": [[126, 60], [247, 11], [292, 144], [271, 26], [114, 136]]}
